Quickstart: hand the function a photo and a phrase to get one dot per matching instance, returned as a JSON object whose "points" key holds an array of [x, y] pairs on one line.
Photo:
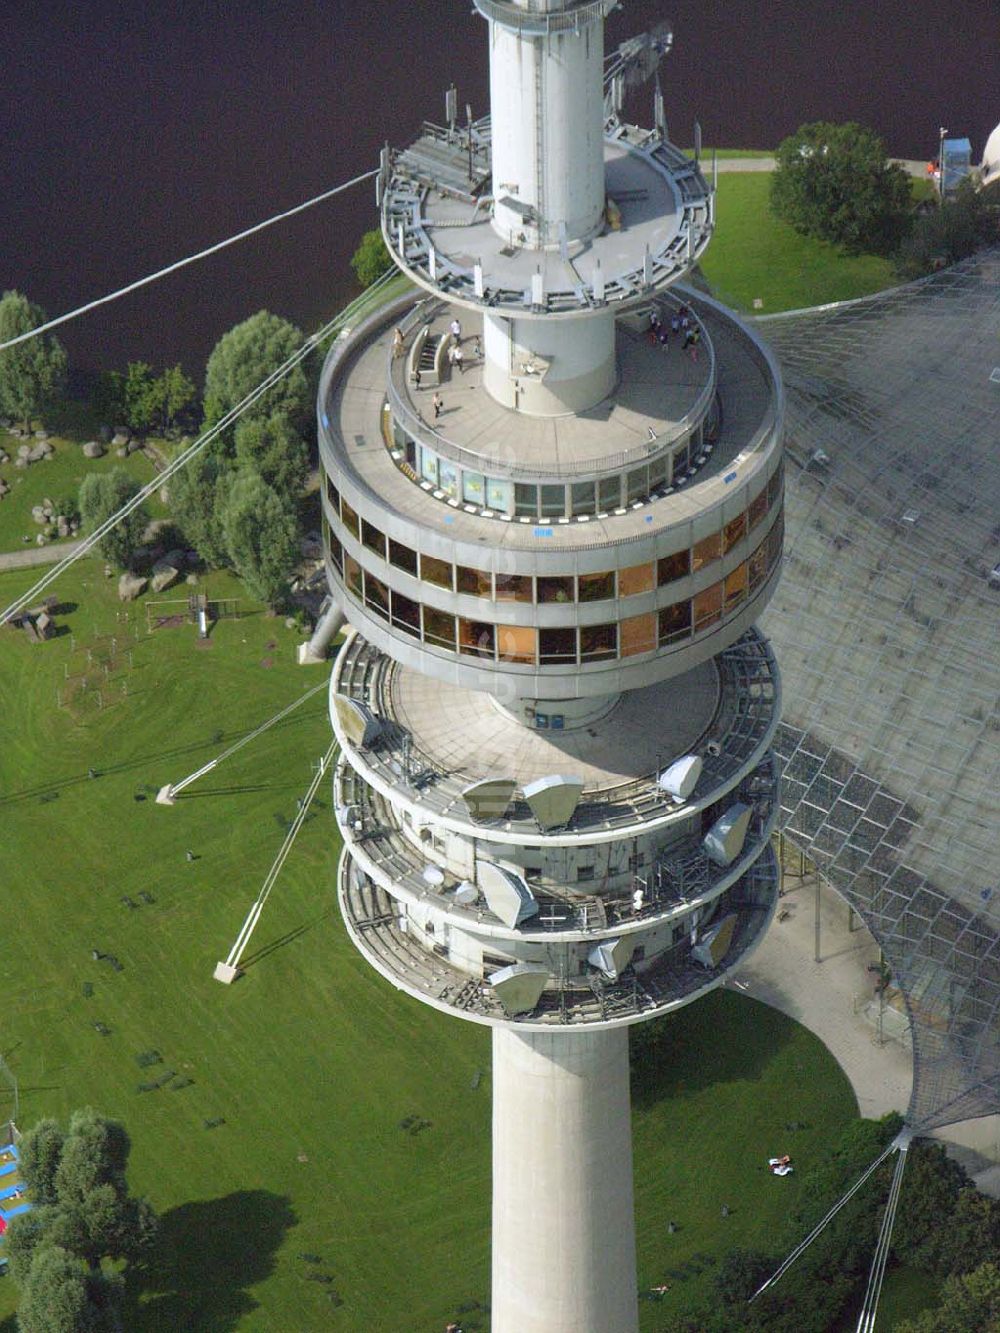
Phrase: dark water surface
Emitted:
{"points": [[133, 134]]}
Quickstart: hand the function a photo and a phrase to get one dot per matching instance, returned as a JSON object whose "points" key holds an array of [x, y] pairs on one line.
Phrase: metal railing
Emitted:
{"points": [[532, 19], [423, 433]]}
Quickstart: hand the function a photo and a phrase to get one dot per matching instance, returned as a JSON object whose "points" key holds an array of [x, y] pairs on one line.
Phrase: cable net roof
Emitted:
{"points": [[887, 626]]}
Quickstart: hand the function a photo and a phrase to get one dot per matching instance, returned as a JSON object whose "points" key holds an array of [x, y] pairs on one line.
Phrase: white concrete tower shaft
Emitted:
{"points": [[547, 129], [563, 1228]]}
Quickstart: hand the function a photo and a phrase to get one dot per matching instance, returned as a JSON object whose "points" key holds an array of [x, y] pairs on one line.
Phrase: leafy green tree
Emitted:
{"points": [[242, 359], [58, 1296], [262, 537], [740, 1273], [944, 235], [40, 1153], [274, 450], [932, 1184], [969, 1304], [833, 182], [143, 396], [32, 373], [23, 1236], [371, 259], [103, 494], [176, 393], [197, 495], [968, 1237]]}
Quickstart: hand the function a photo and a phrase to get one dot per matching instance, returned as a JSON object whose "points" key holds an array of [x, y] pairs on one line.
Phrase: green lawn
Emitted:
{"points": [[754, 256], [311, 1060], [58, 479]]}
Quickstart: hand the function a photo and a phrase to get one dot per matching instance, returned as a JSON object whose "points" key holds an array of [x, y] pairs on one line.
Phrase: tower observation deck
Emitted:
{"points": [[553, 530]]}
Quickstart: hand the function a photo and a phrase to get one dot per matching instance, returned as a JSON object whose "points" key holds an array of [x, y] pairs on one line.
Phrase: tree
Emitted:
{"points": [[273, 450], [143, 396], [242, 359], [197, 495], [33, 372], [966, 1239], [932, 1185], [969, 1304], [833, 182], [740, 1273], [40, 1153], [103, 494], [371, 259], [261, 535], [59, 1296], [177, 393], [947, 234]]}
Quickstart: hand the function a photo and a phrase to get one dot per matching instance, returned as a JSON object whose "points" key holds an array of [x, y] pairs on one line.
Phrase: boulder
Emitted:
{"points": [[93, 449], [38, 514], [121, 451], [23, 450], [131, 586], [20, 462], [41, 434], [120, 438], [164, 575], [41, 539]]}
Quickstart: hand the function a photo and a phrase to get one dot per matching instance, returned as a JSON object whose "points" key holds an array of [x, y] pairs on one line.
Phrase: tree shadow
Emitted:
{"points": [[206, 1257]]}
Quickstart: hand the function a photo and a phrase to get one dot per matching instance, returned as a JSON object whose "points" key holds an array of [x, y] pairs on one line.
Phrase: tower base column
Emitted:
{"points": [[563, 1218]]}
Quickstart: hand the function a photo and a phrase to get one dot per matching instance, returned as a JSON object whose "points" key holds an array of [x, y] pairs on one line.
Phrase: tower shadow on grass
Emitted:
{"points": [[206, 1257], [720, 1038]]}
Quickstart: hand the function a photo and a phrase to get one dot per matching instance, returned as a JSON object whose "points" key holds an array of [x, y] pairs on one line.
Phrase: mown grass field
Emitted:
{"points": [[311, 1061], [753, 256]]}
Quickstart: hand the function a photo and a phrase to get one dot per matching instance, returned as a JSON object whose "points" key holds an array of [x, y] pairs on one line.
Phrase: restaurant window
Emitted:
{"points": [[350, 519], [638, 484], [635, 579], [757, 566], [333, 495], [733, 532], [596, 587], [475, 582], [514, 588], [758, 508], [674, 622], [373, 538], [405, 614], [435, 571], [553, 501], [336, 552], [402, 557], [598, 642], [376, 596], [671, 567], [517, 643], [525, 500], [555, 589], [609, 493], [352, 574], [583, 498], [638, 635], [736, 587], [476, 638], [439, 628], [556, 646], [705, 551], [707, 606]]}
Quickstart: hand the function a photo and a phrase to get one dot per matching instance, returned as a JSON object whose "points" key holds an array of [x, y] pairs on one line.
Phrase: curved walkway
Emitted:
{"points": [[835, 998], [37, 555]]}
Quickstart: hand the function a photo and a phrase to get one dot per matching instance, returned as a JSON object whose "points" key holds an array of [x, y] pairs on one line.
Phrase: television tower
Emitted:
{"points": [[552, 526]]}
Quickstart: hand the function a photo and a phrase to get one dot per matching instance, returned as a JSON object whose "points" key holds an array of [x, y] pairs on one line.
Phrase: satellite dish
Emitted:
{"points": [[681, 778], [553, 799], [724, 840]]}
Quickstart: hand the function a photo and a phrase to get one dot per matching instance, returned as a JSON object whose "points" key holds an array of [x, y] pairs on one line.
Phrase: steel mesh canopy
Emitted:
{"points": [[887, 625]]}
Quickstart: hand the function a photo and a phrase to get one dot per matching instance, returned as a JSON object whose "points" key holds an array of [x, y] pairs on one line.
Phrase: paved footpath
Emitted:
{"points": [[835, 998], [911, 167], [37, 555]]}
